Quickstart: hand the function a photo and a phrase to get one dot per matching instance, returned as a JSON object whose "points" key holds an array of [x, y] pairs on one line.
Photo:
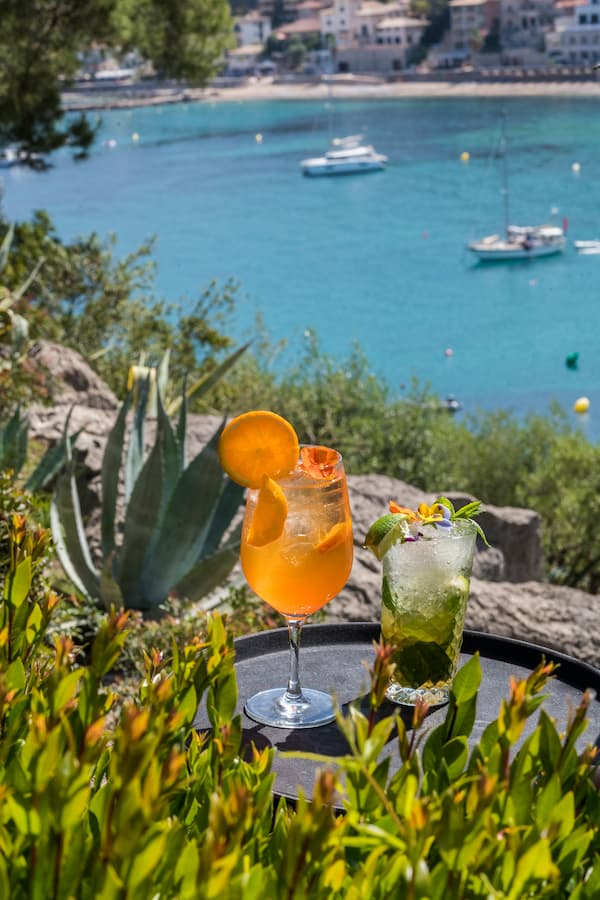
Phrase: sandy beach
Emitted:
{"points": [[131, 95]]}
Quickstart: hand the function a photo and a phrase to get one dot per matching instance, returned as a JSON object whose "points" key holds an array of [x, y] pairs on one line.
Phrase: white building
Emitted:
{"points": [[253, 28], [576, 37], [402, 31]]}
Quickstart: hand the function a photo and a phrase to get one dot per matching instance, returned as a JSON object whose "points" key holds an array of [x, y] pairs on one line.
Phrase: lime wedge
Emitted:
{"points": [[385, 532]]}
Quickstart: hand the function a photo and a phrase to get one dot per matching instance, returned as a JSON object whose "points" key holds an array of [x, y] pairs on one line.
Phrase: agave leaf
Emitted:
{"points": [[185, 525], [209, 573], [162, 374], [228, 504], [53, 460], [5, 246], [29, 280], [171, 449], [110, 593], [206, 382], [181, 428], [141, 519], [13, 442], [111, 465], [135, 447], [69, 536]]}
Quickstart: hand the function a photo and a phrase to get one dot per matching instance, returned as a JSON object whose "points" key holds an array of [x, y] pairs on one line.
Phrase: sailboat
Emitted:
{"points": [[518, 241], [345, 156]]}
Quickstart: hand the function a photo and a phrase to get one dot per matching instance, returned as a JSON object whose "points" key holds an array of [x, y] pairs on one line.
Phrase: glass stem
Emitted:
{"points": [[294, 691]]}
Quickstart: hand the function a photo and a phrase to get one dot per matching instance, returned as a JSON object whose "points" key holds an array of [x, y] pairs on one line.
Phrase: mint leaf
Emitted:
{"points": [[422, 661]]}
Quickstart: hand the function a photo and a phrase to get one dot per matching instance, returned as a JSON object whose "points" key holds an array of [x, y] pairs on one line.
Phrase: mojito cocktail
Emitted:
{"points": [[427, 559]]}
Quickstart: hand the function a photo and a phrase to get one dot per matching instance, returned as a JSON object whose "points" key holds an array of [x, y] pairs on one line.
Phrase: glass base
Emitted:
{"points": [[271, 707], [408, 696]]}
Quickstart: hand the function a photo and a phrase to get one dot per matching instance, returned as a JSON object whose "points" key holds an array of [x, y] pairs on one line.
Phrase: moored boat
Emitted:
{"points": [[346, 155], [520, 242]]}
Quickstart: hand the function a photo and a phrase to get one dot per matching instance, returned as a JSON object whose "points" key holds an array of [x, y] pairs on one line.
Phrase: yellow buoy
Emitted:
{"points": [[581, 405], [135, 137], [259, 138], [576, 167], [465, 156]]}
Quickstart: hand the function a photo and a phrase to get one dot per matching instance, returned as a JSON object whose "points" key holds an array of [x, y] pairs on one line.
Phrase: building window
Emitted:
{"points": [[583, 20], [594, 18], [397, 40]]}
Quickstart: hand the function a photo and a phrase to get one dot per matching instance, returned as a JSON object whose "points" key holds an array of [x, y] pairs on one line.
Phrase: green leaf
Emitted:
{"points": [[134, 462], [185, 524], [206, 382], [17, 586], [5, 245], [53, 461], [467, 680], [111, 466], [208, 574], [230, 500], [69, 536]]}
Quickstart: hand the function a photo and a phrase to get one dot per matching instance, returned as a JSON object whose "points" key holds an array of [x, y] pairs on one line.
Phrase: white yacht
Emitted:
{"points": [[345, 156]]}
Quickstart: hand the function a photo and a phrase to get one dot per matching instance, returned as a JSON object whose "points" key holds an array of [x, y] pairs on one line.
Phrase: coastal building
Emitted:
{"points": [[576, 36], [470, 20], [253, 28], [524, 29]]}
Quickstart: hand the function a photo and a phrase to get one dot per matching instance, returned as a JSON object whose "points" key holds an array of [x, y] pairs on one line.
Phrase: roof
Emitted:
{"points": [[248, 50], [454, 3], [374, 8], [302, 26], [252, 16], [401, 22]]}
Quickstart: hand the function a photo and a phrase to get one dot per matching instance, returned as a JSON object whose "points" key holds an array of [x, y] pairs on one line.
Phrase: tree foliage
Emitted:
{"points": [[40, 41], [106, 307]]}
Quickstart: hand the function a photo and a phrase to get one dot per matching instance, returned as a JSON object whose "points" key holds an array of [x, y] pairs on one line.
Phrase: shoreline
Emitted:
{"points": [[125, 96]]}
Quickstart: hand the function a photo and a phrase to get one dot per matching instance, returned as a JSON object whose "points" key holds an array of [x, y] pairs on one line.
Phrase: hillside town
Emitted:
{"points": [[387, 39]]}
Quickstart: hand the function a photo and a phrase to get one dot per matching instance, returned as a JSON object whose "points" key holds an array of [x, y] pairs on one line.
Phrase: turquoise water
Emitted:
{"points": [[377, 259]]}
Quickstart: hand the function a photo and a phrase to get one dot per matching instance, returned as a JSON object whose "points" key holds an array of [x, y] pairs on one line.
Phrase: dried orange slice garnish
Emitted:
{"points": [[270, 512], [336, 535], [320, 462], [256, 444]]}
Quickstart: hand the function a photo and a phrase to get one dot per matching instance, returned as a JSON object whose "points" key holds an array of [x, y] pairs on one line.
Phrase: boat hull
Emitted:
{"points": [[348, 167], [499, 254]]}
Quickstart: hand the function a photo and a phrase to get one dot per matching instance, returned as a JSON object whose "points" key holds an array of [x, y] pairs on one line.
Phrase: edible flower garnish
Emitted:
{"points": [[320, 462], [402, 524]]}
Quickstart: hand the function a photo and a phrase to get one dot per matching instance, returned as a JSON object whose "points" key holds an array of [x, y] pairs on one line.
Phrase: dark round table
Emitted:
{"points": [[335, 657]]}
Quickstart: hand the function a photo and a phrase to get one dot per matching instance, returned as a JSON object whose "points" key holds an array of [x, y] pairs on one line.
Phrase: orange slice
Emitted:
{"points": [[256, 444], [270, 512], [336, 535], [320, 462]]}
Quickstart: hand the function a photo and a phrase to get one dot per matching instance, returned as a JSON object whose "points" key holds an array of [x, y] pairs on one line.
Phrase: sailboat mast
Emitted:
{"points": [[503, 150]]}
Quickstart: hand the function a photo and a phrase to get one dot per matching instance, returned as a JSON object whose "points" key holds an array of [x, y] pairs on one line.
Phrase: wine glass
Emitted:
{"points": [[300, 571]]}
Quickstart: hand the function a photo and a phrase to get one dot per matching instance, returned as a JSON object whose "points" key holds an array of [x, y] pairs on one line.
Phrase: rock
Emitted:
{"points": [[75, 381], [508, 595]]}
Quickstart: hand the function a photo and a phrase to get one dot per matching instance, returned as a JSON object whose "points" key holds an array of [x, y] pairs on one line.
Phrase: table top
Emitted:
{"points": [[335, 658]]}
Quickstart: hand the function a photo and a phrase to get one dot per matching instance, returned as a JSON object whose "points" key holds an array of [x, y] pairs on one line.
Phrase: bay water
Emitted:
{"points": [[378, 259]]}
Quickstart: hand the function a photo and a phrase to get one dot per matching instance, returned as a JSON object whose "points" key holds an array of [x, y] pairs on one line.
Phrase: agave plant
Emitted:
{"points": [[175, 537]]}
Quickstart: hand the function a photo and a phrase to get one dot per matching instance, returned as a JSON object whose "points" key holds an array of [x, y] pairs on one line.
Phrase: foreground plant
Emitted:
{"points": [[176, 518], [148, 807]]}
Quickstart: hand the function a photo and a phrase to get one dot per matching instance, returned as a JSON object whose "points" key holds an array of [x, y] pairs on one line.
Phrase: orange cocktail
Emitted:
{"points": [[296, 547], [310, 561]]}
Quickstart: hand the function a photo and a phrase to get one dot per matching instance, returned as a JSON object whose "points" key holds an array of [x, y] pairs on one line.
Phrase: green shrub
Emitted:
{"points": [[136, 804]]}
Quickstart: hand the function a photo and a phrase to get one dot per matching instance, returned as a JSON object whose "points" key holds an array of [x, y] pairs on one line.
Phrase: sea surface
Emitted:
{"points": [[377, 259]]}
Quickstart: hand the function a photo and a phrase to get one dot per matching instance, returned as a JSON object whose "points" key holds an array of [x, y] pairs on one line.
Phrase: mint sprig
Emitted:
{"points": [[468, 511]]}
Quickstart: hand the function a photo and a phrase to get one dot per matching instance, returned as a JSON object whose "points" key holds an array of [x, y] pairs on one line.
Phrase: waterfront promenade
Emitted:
{"points": [[563, 82]]}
